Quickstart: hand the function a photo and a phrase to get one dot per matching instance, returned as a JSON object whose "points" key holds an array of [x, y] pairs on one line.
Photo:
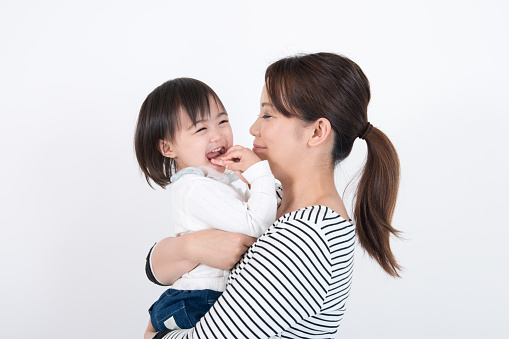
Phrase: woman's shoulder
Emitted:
{"points": [[315, 214], [317, 220], [310, 232]]}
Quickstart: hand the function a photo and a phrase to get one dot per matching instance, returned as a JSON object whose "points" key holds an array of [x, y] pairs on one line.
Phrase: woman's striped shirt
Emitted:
{"points": [[292, 283]]}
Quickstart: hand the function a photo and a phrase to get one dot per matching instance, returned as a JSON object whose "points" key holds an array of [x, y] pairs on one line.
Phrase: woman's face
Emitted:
{"points": [[278, 139]]}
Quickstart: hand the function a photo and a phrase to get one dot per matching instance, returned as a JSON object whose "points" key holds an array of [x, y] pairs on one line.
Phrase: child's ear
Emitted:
{"points": [[321, 130], [166, 149]]}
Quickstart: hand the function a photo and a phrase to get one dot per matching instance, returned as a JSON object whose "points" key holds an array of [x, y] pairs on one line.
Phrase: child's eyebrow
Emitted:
{"points": [[203, 120], [197, 122], [218, 115]]}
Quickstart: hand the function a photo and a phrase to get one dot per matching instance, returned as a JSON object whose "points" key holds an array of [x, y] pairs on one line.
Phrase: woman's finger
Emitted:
{"points": [[218, 249]]}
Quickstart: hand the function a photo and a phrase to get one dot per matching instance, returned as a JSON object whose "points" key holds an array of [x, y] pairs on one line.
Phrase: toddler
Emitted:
{"points": [[182, 133]]}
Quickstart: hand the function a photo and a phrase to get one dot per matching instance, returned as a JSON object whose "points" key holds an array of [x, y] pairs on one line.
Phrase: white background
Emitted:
{"points": [[77, 218]]}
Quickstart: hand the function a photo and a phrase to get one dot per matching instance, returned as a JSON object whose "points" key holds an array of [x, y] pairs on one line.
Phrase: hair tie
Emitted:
{"points": [[368, 129]]}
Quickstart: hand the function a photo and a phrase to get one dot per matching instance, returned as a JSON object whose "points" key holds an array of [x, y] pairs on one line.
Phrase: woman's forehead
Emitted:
{"points": [[265, 99]]}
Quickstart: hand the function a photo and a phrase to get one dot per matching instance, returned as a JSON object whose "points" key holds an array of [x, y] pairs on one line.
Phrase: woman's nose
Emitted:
{"points": [[254, 130]]}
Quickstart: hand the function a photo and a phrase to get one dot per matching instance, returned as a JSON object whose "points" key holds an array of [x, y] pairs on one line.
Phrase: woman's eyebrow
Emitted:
{"points": [[267, 104]]}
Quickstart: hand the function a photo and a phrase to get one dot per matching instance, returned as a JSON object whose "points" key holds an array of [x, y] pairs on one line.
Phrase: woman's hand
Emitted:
{"points": [[173, 257], [237, 159], [216, 248]]}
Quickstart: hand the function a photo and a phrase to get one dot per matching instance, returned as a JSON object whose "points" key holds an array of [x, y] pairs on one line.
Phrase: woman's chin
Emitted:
{"points": [[260, 154]]}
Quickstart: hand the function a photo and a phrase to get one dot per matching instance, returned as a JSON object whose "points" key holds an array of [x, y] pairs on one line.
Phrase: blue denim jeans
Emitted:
{"points": [[181, 308]]}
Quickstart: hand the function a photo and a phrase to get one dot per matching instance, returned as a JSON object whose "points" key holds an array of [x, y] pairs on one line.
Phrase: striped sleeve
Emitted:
{"points": [[283, 284]]}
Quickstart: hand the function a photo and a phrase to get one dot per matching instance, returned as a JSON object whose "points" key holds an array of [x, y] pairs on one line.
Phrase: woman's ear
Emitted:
{"points": [[166, 149], [321, 129]]}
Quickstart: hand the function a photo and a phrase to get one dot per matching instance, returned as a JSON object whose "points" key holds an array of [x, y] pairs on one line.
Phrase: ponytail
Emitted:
{"points": [[376, 199], [326, 85]]}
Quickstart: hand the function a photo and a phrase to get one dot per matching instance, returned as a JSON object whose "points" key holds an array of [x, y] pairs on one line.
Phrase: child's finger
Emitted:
{"points": [[240, 176], [235, 154], [217, 161], [233, 148], [234, 166]]}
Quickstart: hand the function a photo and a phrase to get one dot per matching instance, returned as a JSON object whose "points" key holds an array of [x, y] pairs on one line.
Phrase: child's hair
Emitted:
{"points": [[160, 119]]}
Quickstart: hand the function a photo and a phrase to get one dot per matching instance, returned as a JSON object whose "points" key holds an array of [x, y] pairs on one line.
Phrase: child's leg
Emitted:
{"points": [[150, 331], [181, 309]]}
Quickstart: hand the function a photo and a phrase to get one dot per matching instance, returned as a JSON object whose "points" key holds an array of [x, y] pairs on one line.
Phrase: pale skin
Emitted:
{"points": [[300, 158], [189, 148]]}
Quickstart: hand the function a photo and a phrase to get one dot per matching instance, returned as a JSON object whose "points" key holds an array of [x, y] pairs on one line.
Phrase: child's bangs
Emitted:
{"points": [[189, 97], [197, 99], [198, 107]]}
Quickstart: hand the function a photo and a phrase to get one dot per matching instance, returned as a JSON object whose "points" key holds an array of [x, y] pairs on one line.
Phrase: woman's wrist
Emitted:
{"points": [[186, 245], [212, 247]]}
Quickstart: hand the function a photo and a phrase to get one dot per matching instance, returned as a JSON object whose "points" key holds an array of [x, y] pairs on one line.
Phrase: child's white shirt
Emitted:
{"points": [[201, 198]]}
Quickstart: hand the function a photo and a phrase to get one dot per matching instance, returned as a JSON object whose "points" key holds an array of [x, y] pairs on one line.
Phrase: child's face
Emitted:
{"points": [[195, 145]]}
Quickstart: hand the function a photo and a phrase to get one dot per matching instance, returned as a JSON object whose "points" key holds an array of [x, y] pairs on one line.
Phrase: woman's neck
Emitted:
{"points": [[307, 189]]}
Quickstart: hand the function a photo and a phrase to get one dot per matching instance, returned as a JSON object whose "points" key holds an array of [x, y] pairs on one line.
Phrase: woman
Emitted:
{"points": [[295, 279]]}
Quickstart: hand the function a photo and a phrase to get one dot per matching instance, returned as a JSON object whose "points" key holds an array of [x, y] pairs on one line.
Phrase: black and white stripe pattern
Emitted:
{"points": [[292, 283]]}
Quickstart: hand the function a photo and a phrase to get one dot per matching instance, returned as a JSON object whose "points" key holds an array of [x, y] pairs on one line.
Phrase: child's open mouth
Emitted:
{"points": [[216, 152]]}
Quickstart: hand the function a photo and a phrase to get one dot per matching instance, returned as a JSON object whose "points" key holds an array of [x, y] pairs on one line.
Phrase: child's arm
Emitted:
{"points": [[238, 159], [213, 204]]}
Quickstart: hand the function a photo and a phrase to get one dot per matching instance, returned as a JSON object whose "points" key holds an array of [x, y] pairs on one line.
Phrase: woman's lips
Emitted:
{"points": [[258, 148]]}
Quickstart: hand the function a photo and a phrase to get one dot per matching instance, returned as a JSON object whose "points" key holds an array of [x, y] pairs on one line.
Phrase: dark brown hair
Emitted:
{"points": [[159, 118], [326, 85]]}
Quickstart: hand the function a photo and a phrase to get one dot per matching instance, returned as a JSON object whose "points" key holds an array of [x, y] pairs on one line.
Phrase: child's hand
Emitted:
{"points": [[237, 159]]}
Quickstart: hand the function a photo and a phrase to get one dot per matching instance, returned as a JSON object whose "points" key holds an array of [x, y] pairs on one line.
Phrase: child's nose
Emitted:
{"points": [[216, 136]]}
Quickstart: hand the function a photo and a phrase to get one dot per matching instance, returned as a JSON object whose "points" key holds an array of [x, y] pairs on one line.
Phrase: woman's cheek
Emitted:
{"points": [[261, 156]]}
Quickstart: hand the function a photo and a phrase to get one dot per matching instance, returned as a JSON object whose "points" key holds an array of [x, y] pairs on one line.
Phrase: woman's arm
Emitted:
{"points": [[293, 282], [173, 257]]}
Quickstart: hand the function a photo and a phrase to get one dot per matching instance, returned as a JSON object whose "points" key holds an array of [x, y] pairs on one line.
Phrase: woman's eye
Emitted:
{"points": [[201, 129], [266, 116], [223, 121]]}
